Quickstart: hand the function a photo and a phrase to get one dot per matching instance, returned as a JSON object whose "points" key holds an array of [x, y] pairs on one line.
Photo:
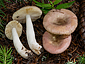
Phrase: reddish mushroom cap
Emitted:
{"points": [[61, 21], [55, 47]]}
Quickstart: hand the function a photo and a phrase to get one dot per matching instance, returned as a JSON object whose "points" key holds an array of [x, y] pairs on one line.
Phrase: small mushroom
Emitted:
{"points": [[59, 25], [13, 31], [29, 14]]}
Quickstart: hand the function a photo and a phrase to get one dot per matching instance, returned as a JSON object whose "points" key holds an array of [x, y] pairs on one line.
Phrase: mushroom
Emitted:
{"points": [[55, 44], [59, 25], [29, 14], [13, 31], [33, 11]]}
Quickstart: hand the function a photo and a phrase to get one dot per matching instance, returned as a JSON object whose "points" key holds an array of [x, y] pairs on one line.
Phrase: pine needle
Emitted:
{"points": [[5, 55]]}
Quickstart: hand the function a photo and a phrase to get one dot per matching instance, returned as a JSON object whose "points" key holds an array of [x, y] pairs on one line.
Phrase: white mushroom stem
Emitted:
{"points": [[34, 46], [18, 45]]}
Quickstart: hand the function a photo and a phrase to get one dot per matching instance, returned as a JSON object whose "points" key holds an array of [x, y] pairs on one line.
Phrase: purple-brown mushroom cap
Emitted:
{"points": [[61, 21], [57, 45]]}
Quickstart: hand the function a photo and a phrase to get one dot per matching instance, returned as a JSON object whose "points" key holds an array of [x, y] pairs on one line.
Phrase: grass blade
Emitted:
{"points": [[65, 5], [1, 26], [46, 6], [1, 34], [2, 4], [50, 1], [56, 2], [2, 16], [2, 12]]}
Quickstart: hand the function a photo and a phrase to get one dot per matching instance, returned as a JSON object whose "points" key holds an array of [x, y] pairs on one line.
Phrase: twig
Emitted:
{"points": [[74, 49]]}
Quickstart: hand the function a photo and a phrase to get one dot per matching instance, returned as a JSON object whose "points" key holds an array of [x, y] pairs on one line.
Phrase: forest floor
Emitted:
{"points": [[76, 47]]}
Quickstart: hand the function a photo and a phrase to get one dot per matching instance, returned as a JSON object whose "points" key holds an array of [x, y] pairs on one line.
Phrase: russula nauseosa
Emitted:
{"points": [[13, 31], [55, 44], [29, 14], [59, 25]]}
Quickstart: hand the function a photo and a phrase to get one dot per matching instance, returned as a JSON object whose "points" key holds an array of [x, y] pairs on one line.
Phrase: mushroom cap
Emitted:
{"points": [[61, 21], [55, 47], [9, 26], [33, 11]]}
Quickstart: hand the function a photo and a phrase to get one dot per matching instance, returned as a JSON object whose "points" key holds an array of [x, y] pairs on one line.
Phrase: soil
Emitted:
{"points": [[76, 47]]}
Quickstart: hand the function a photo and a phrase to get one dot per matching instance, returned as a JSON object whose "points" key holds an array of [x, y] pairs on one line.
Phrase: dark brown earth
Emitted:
{"points": [[76, 47]]}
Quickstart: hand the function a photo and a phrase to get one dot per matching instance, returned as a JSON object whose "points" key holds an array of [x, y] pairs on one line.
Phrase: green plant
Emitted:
{"points": [[81, 59], [1, 27], [2, 4], [5, 55], [2, 22], [2, 15], [44, 58], [70, 62], [47, 7]]}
